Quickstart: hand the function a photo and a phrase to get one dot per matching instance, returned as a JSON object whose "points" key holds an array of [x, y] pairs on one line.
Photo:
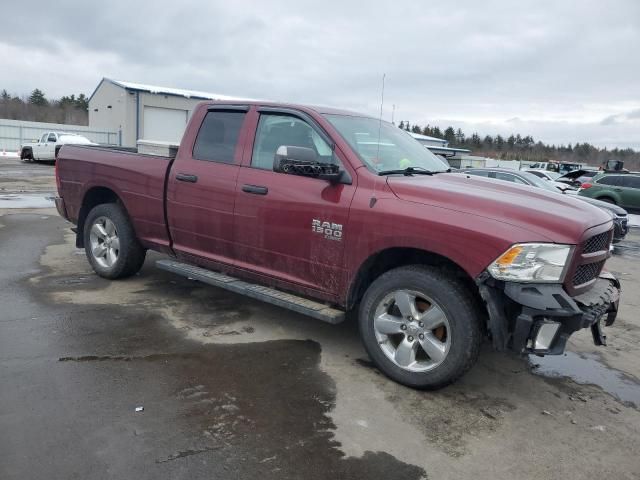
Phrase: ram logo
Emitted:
{"points": [[330, 231]]}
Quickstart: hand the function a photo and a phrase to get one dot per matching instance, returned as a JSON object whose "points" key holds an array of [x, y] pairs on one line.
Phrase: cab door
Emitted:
{"points": [[201, 186], [290, 227], [40, 148], [630, 194], [49, 152]]}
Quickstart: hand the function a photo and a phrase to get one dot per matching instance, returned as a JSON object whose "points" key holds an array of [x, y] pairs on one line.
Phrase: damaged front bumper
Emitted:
{"points": [[540, 318]]}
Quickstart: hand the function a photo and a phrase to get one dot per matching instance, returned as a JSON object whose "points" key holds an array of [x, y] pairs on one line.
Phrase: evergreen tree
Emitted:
{"points": [[450, 135], [5, 95], [82, 102], [37, 98], [401, 125]]}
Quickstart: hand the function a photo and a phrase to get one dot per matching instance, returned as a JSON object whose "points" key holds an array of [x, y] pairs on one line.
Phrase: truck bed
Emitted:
{"points": [[137, 179]]}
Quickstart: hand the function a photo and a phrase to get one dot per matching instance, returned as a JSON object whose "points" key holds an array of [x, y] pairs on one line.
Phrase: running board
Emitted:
{"points": [[259, 292]]}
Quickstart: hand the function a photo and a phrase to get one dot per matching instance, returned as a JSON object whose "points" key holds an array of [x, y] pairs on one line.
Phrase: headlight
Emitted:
{"points": [[531, 262]]}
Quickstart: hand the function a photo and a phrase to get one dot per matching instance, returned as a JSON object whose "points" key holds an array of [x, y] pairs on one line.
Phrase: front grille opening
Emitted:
{"points": [[587, 272], [597, 243]]}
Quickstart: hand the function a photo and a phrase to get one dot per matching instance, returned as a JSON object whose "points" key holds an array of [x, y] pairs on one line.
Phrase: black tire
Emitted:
{"points": [[26, 156], [608, 200], [131, 254], [459, 307]]}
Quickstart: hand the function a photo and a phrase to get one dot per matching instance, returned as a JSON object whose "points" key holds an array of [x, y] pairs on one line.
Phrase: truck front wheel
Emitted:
{"points": [[110, 242], [420, 326]]}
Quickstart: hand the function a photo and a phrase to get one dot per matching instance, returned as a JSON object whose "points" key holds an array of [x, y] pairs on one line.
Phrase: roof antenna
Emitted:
{"points": [[373, 199]]}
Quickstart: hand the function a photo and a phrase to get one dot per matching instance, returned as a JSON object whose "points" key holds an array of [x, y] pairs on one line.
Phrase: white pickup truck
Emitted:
{"points": [[47, 147]]}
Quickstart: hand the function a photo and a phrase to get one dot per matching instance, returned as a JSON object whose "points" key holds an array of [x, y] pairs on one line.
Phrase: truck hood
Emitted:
{"points": [[556, 217]]}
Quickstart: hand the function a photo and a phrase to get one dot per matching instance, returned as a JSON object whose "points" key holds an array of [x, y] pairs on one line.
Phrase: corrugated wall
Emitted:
{"points": [[14, 133]]}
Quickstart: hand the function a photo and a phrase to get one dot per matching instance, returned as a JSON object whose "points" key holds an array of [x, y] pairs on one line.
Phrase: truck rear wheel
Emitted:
{"points": [[420, 326], [110, 242]]}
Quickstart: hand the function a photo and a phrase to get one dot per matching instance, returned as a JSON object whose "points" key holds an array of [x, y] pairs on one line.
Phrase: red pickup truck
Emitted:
{"points": [[324, 211]]}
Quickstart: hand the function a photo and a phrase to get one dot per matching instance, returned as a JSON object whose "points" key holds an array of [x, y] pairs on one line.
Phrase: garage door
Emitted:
{"points": [[164, 124]]}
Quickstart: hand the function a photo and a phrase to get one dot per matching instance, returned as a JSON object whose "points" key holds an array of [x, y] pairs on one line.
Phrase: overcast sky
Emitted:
{"points": [[562, 71]]}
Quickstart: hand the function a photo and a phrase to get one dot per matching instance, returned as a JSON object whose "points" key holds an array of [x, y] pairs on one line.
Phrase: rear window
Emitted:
{"points": [[614, 180], [218, 136]]}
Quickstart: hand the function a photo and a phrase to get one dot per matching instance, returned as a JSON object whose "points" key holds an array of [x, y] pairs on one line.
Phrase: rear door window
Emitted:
{"points": [[218, 136], [613, 180], [479, 173]]}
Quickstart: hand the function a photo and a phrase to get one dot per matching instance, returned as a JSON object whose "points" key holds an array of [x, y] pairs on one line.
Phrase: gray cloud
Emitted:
{"points": [[557, 68], [632, 116]]}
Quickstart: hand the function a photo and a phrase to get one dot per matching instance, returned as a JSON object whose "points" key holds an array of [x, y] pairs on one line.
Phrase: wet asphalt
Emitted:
{"points": [[233, 388], [72, 377]]}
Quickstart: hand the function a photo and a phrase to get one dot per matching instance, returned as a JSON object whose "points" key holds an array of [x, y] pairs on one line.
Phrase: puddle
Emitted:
{"points": [[21, 200], [588, 369]]}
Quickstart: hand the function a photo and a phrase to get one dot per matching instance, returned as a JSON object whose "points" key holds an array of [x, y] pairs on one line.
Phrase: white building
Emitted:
{"points": [[144, 112]]}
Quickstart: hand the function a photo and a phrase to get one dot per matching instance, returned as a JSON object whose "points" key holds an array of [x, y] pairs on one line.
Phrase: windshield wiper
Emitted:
{"points": [[409, 171]]}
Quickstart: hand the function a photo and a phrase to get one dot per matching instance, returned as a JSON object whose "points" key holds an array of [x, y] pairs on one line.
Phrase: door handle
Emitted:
{"points": [[185, 177], [255, 189], [617, 189]]}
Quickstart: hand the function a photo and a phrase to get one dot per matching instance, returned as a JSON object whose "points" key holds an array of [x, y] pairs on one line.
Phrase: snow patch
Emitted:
{"points": [[173, 91], [4, 154], [11, 200]]}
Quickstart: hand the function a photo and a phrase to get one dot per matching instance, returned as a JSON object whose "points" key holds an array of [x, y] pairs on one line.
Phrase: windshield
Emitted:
{"points": [[382, 146], [539, 182]]}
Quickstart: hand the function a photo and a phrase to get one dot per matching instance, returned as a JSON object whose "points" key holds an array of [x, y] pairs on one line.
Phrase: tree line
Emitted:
{"points": [[73, 110], [36, 107], [518, 147]]}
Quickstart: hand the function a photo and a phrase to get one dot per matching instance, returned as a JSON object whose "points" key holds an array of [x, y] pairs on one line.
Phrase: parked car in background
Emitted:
{"points": [[521, 176], [576, 178], [619, 188], [49, 144], [559, 167], [620, 217], [545, 174]]}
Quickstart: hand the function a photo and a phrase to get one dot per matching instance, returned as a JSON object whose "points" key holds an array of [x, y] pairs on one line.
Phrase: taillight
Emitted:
{"points": [[586, 185]]}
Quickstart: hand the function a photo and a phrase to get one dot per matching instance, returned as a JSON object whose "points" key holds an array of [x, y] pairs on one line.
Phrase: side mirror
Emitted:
{"points": [[304, 161]]}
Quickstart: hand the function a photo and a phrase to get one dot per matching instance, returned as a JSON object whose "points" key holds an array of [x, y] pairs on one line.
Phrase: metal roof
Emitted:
{"points": [[179, 92], [419, 136]]}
